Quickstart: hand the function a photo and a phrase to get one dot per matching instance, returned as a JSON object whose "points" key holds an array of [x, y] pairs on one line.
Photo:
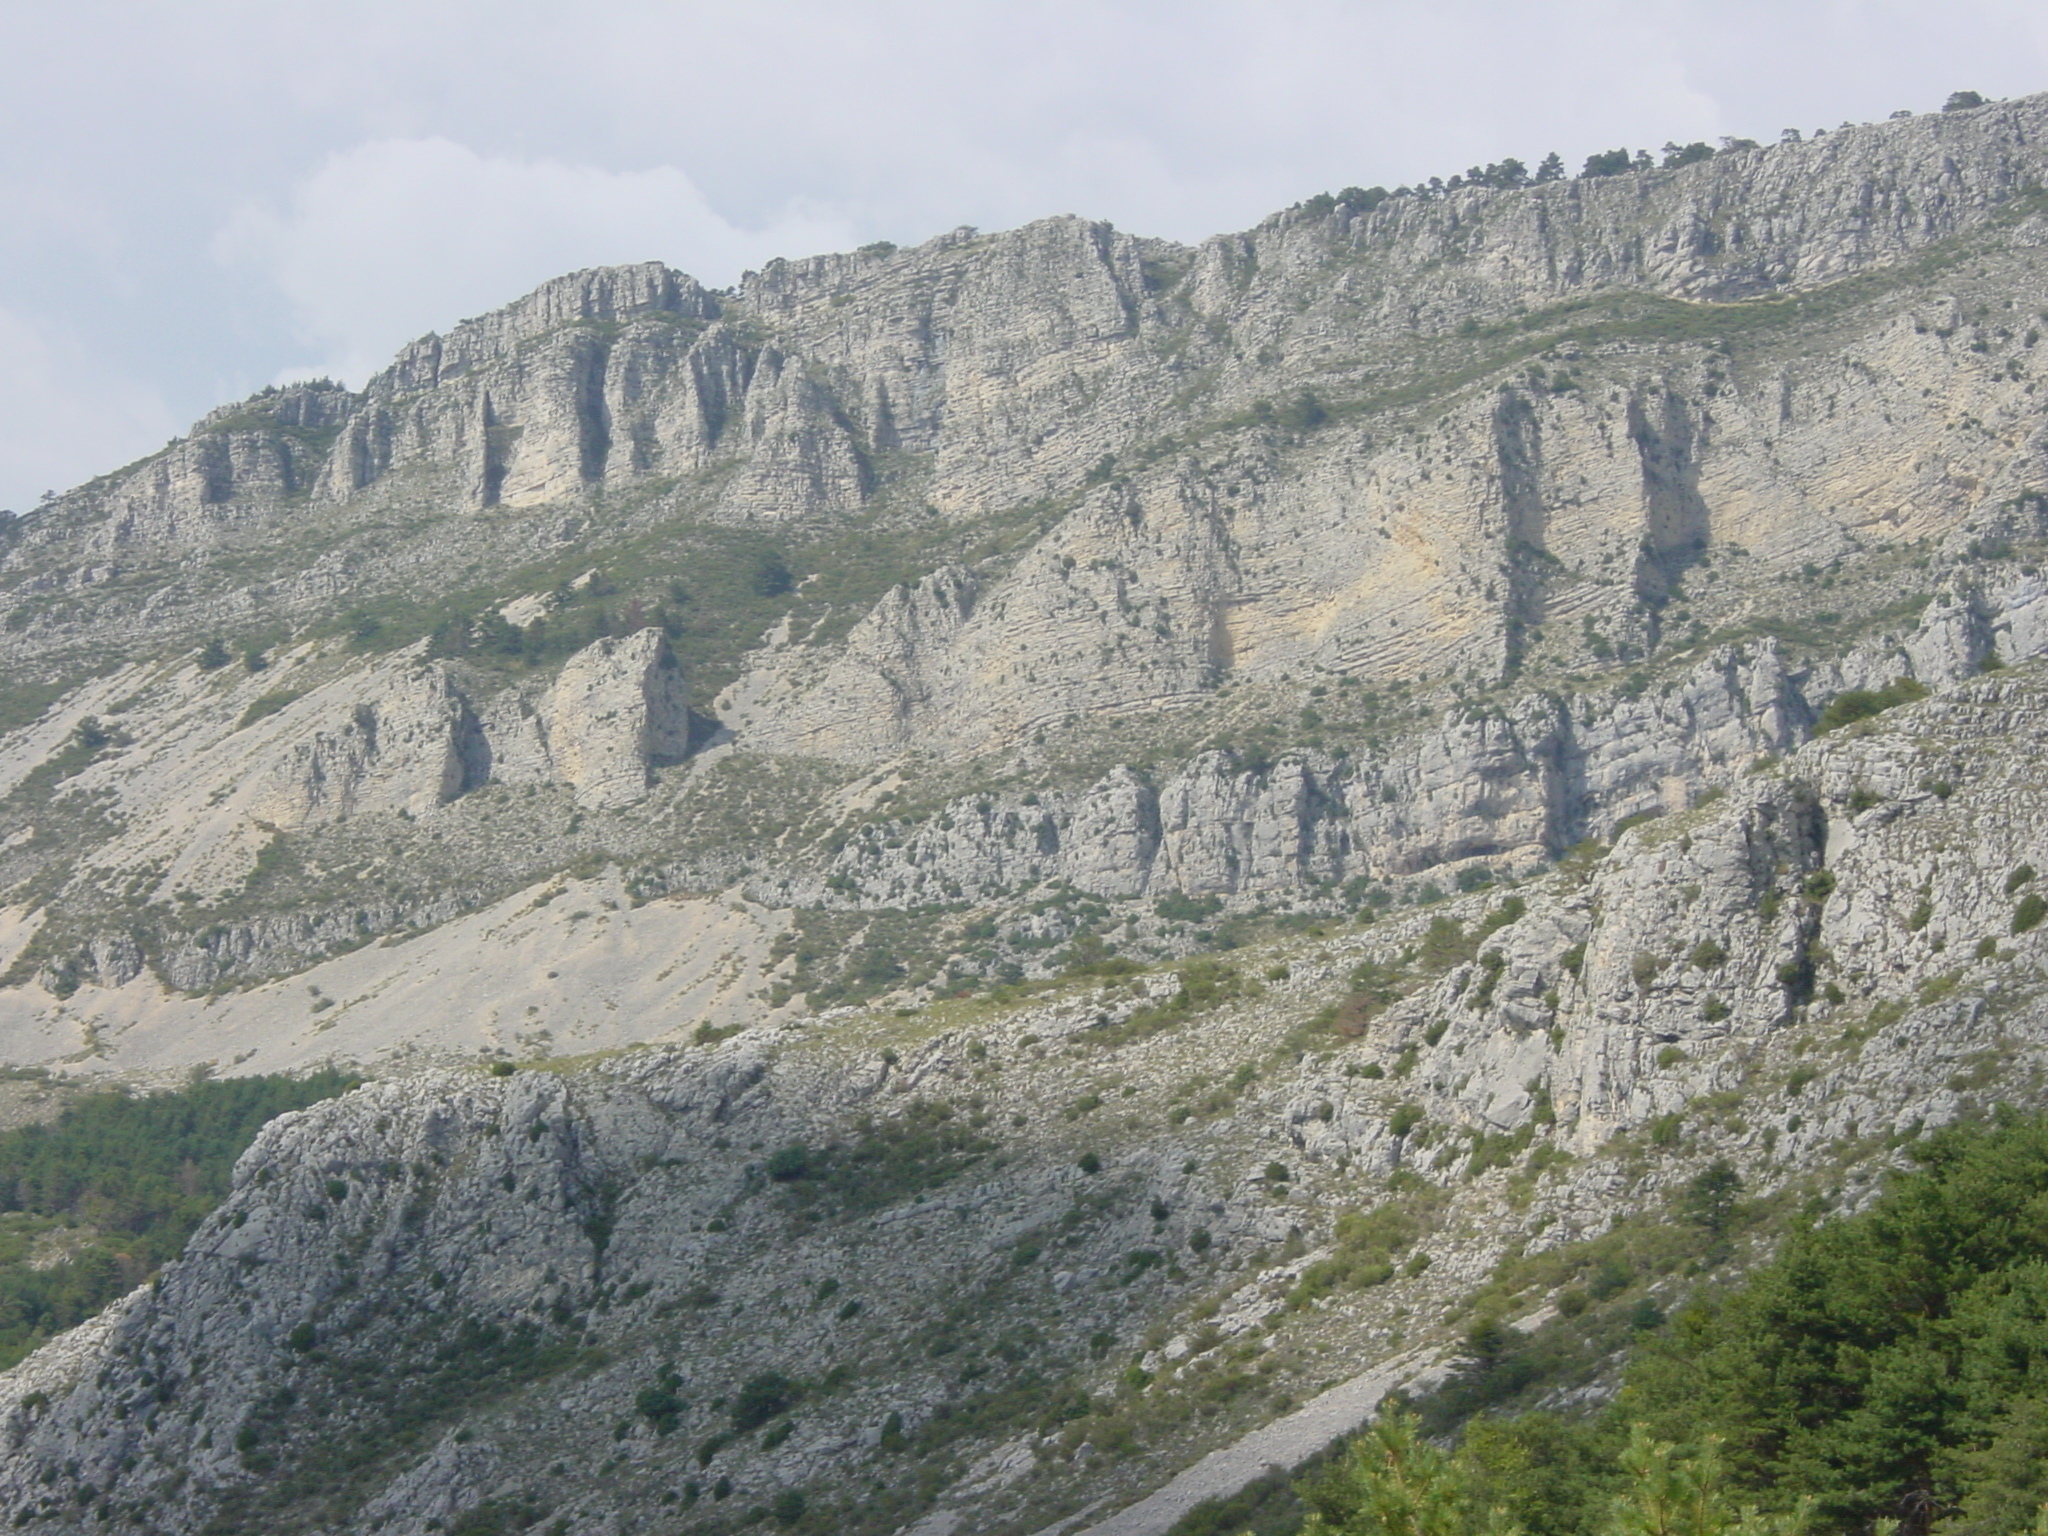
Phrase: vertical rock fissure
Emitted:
{"points": [[1676, 526], [593, 415], [492, 441], [1518, 453]]}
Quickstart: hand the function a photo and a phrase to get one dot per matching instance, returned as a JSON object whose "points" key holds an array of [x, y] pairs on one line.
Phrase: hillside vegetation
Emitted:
{"points": [[1887, 1369], [93, 1203], [984, 890]]}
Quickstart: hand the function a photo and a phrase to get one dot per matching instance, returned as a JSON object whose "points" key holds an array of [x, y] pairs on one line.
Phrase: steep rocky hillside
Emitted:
{"points": [[995, 1262], [1109, 836]]}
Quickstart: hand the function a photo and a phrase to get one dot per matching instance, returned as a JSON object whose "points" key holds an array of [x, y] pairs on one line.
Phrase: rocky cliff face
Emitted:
{"points": [[1486, 452], [1482, 704], [1157, 394], [545, 1293], [617, 711]]}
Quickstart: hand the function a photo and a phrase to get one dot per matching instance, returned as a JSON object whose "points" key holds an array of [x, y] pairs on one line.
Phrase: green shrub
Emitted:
{"points": [[1708, 955], [1610, 1277], [2029, 913], [761, 1398], [1445, 944], [1205, 983], [267, 704], [1364, 1246], [1176, 907], [1491, 966], [889, 1160], [1935, 988], [1509, 911], [661, 1404], [790, 1163], [1708, 1199], [1862, 703]]}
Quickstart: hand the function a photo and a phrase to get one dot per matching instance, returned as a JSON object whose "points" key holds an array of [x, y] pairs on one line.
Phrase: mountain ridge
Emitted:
{"points": [[1167, 825]]}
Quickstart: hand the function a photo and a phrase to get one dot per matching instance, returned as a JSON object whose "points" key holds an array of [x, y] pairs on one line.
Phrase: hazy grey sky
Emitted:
{"points": [[203, 196]]}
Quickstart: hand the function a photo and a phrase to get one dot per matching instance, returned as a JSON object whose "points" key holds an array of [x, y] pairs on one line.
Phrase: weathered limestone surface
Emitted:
{"points": [[619, 709], [1046, 574], [1516, 787], [557, 1209], [1143, 387]]}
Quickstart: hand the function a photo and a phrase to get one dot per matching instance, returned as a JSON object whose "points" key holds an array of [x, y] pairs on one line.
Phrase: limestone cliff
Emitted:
{"points": [[1081, 760], [1488, 451]]}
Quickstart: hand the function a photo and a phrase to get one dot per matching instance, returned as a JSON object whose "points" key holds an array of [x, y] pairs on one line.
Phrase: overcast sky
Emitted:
{"points": [[205, 196]]}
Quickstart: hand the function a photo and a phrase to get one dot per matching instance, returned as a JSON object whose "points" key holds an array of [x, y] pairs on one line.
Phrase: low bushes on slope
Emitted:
{"points": [[886, 1161], [1890, 1366], [1862, 703], [128, 1179]]}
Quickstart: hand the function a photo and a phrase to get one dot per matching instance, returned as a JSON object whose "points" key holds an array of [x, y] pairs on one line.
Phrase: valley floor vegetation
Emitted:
{"points": [[1886, 1372], [92, 1204]]}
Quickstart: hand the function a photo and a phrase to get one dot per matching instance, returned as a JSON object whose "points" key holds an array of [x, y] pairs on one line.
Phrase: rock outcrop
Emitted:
{"points": [[618, 710], [1475, 706], [1196, 417], [445, 1296], [414, 749]]}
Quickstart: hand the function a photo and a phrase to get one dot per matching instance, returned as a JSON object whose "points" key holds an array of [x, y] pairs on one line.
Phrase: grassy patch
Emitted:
{"points": [[264, 705]]}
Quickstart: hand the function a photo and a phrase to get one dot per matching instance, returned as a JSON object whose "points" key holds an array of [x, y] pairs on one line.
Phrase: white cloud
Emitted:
{"points": [[390, 239], [59, 410]]}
